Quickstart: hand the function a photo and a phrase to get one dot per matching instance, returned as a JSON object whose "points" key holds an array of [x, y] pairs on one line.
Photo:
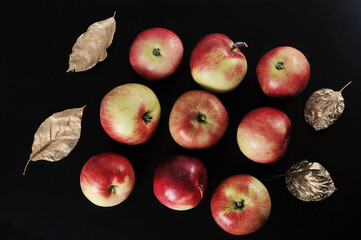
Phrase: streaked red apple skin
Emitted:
{"points": [[287, 82], [180, 182], [156, 67], [184, 126], [252, 211], [122, 111], [215, 66], [107, 179], [263, 134]]}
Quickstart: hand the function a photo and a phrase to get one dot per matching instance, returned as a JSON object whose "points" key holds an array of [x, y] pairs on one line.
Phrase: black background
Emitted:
{"points": [[36, 40]]}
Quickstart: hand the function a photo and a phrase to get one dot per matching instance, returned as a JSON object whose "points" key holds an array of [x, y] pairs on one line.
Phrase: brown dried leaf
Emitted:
{"points": [[324, 107], [309, 181], [90, 47], [57, 136]]}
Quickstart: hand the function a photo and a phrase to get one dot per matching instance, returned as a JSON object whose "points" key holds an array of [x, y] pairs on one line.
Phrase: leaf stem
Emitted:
{"points": [[287, 174], [346, 86], [26, 166], [277, 176]]}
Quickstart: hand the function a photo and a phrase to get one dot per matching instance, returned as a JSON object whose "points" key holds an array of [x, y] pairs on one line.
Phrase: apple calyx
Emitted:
{"points": [[146, 118], [238, 45], [156, 52], [280, 65], [112, 188], [201, 118], [238, 205]]}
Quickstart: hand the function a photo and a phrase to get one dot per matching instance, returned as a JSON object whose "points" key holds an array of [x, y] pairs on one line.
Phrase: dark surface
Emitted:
{"points": [[36, 40]]}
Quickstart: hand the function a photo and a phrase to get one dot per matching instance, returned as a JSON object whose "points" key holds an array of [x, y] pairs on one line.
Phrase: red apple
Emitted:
{"points": [[130, 113], [107, 179], [198, 120], [241, 204], [263, 134], [217, 64], [180, 182], [156, 53], [283, 72]]}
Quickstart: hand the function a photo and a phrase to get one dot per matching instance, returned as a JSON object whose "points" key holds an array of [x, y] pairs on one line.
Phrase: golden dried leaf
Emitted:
{"points": [[91, 47], [324, 107], [309, 181], [57, 136]]}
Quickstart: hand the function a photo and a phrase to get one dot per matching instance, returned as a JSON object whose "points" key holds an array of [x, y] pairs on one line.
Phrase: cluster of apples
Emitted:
{"points": [[130, 114]]}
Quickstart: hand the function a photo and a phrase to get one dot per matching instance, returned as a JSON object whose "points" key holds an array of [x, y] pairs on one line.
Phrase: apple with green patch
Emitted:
{"points": [[180, 182], [107, 179], [283, 72], [241, 204], [217, 64], [156, 53], [198, 120], [130, 113]]}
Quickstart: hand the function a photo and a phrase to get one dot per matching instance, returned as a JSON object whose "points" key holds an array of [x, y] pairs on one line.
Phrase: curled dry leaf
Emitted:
{"points": [[90, 47], [324, 107], [309, 181], [57, 136]]}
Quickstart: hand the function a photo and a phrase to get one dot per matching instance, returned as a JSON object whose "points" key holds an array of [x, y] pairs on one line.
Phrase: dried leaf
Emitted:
{"points": [[90, 47], [324, 107], [57, 136], [309, 181]]}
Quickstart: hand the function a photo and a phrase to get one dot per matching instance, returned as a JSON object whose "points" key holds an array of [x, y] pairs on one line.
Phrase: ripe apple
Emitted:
{"points": [[107, 179], [263, 134], [130, 113], [156, 53], [217, 64], [198, 120], [180, 182], [283, 72], [241, 204]]}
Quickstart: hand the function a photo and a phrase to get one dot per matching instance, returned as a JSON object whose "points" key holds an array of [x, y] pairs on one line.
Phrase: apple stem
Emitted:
{"points": [[238, 45], [26, 166], [345, 86]]}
